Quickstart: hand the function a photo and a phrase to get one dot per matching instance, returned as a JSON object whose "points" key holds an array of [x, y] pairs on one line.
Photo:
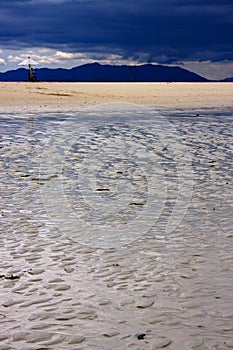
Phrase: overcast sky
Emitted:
{"points": [[195, 34]]}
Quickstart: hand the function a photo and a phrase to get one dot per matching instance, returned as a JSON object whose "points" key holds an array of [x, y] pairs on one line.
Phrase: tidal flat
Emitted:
{"points": [[116, 228]]}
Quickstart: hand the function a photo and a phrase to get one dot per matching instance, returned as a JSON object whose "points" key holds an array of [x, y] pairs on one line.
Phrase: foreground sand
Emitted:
{"points": [[15, 97], [159, 291]]}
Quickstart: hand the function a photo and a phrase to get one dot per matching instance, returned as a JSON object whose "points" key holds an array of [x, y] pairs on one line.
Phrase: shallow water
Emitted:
{"points": [[116, 222]]}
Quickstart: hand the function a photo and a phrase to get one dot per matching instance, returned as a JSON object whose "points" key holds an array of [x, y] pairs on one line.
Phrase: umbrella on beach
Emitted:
{"points": [[29, 62]]}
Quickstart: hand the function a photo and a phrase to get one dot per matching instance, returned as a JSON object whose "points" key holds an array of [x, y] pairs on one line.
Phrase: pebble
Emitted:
{"points": [[141, 336]]}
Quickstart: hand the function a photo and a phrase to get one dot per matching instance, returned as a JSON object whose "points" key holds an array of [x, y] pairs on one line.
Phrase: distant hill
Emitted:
{"points": [[228, 79], [95, 72]]}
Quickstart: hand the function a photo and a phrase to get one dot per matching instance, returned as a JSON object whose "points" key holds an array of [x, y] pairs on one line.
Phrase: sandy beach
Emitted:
{"points": [[16, 97], [116, 220]]}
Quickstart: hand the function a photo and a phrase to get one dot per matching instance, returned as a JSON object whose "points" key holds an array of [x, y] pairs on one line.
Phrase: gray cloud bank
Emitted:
{"points": [[163, 31]]}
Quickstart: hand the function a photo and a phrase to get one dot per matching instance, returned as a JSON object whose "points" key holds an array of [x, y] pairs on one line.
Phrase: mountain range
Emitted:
{"points": [[95, 72]]}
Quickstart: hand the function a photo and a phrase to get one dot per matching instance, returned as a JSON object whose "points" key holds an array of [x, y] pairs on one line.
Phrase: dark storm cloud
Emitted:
{"points": [[163, 30]]}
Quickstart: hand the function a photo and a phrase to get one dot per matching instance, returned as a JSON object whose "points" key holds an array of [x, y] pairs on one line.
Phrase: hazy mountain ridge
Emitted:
{"points": [[230, 79], [95, 72]]}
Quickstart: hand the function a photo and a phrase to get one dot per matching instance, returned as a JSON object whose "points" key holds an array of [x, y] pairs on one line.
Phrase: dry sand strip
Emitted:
{"points": [[42, 96]]}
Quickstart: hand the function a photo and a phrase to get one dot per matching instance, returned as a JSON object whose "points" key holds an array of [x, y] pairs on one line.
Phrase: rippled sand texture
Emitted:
{"points": [[162, 290]]}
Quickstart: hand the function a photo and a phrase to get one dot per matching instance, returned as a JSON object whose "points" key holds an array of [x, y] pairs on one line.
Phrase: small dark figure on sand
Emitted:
{"points": [[31, 74]]}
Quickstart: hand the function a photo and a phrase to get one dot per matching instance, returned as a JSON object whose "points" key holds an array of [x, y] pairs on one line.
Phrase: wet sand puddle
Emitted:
{"points": [[142, 289]]}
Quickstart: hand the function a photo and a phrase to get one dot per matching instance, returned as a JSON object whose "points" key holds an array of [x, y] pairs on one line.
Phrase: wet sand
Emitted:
{"points": [[161, 290]]}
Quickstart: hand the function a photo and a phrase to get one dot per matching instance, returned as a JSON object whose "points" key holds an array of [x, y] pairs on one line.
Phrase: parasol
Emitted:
{"points": [[28, 62], [31, 73]]}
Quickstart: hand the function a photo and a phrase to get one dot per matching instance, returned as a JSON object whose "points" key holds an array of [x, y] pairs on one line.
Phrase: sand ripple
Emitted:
{"points": [[158, 292]]}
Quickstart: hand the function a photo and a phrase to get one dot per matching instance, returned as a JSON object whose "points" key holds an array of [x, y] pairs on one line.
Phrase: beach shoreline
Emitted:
{"points": [[50, 97]]}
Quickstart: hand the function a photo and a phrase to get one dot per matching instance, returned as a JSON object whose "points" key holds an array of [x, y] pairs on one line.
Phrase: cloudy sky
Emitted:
{"points": [[194, 34]]}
